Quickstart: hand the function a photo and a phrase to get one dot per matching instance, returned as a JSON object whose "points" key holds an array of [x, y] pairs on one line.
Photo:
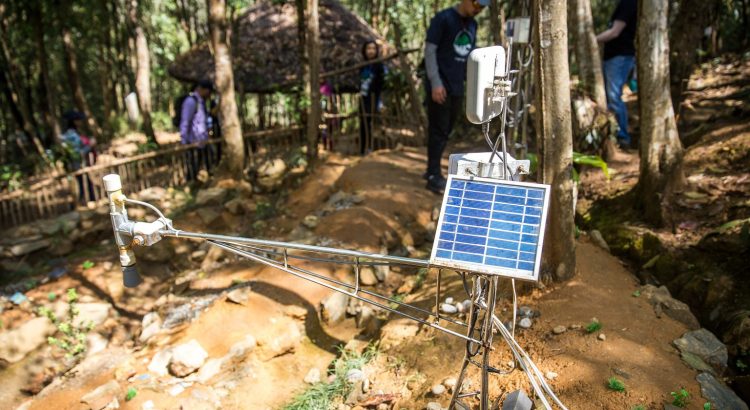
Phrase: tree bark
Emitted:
{"points": [[50, 110], [497, 22], [661, 150], [554, 134], [142, 69], [693, 16], [416, 103], [312, 88], [233, 156], [71, 67], [587, 51]]}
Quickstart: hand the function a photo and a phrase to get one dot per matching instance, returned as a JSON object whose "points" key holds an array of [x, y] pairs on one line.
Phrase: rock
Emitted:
{"points": [[16, 343], [176, 390], [550, 375], [150, 326], [159, 363], [354, 375], [62, 248], [311, 221], [517, 400], [295, 312], [211, 196], [26, 248], [663, 302], [602, 337], [333, 308], [102, 396], [95, 313], [236, 206], [95, 343], [525, 311], [382, 272], [208, 215], [367, 276], [525, 323], [198, 255], [450, 383], [239, 295], [18, 298], [187, 358], [153, 194], [240, 349], [313, 376], [396, 331], [704, 346], [598, 239], [559, 330], [147, 405], [448, 308], [284, 339], [366, 319], [434, 406], [720, 396], [437, 390], [209, 370], [271, 173]]}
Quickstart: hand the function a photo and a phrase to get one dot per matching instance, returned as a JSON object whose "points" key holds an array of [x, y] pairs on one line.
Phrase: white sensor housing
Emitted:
{"points": [[483, 66]]}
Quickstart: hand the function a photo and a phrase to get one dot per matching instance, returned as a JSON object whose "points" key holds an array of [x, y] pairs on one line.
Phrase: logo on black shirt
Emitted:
{"points": [[462, 43]]}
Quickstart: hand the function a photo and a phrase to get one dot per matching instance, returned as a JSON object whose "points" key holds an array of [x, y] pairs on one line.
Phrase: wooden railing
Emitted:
{"points": [[56, 195]]}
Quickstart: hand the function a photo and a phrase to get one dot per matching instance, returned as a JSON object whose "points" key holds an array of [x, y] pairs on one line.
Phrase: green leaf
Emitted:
{"points": [[637, 293], [87, 265], [131, 394], [591, 160]]}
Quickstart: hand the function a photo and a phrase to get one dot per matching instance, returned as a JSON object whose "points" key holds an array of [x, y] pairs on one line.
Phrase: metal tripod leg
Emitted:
{"points": [[485, 331]]}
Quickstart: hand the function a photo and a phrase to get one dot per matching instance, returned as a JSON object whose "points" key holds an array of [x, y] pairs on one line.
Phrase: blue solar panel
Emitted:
{"points": [[491, 226]]}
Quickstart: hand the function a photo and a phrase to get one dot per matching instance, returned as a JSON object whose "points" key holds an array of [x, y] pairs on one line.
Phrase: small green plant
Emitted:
{"points": [[87, 264], [130, 395], [637, 293], [72, 338], [680, 398], [590, 160], [593, 326], [741, 366], [322, 395], [264, 210], [421, 276], [639, 407], [707, 405], [396, 298], [615, 384], [51, 296]]}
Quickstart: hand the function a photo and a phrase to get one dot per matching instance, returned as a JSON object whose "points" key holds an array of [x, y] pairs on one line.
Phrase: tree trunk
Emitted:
{"points": [[416, 102], [587, 52], [233, 156], [496, 23], [312, 88], [50, 110], [142, 69], [661, 150], [693, 16], [71, 66], [15, 89], [554, 134], [302, 109]]}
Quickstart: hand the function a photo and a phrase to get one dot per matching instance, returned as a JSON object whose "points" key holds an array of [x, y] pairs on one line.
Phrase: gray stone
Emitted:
{"points": [[313, 376], [102, 396], [333, 308], [367, 276], [706, 346], [354, 375], [559, 329], [311, 221], [437, 390], [382, 272], [525, 311], [720, 396], [239, 295], [150, 326], [517, 400], [662, 301], [525, 323], [26, 248], [159, 363], [550, 375], [448, 308], [602, 337], [450, 383], [236, 206], [187, 358], [434, 406], [17, 343], [598, 239], [95, 313], [211, 196]]}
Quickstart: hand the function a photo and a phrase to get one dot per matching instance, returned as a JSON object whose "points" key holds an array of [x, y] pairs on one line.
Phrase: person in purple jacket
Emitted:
{"points": [[194, 127]]}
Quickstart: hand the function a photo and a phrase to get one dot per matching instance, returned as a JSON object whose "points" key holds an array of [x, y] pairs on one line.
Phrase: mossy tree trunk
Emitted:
{"points": [[554, 133], [587, 51], [661, 150], [233, 155]]}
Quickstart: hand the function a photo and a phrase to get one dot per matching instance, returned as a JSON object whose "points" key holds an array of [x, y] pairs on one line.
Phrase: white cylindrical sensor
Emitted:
{"points": [[112, 182]]}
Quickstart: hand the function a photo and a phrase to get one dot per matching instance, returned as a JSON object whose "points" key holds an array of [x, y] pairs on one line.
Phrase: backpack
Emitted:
{"points": [[177, 119]]}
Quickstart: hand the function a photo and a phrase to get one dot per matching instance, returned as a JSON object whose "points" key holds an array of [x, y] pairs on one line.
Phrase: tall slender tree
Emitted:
{"points": [[50, 97], [661, 150], [312, 85], [71, 66], [234, 155], [587, 51], [142, 69], [554, 133]]}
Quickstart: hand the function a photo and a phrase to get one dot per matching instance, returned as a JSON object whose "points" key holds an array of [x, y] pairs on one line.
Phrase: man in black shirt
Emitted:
{"points": [[450, 38], [619, 60]]}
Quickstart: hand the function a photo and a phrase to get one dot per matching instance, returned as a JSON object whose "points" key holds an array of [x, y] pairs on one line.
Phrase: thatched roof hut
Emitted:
{"points": [[265, 48]]}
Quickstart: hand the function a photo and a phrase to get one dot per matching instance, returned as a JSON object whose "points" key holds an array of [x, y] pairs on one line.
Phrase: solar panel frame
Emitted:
{"points": [[490, 215]]}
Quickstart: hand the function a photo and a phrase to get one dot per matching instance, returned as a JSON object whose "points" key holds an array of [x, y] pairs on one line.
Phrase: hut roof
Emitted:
{"points": [[265, 48]]}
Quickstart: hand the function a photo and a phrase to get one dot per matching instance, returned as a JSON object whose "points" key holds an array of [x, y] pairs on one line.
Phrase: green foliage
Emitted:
{"points": [[51, 296], [741, 366], [637, 293], [72, 335], [593, 326], [11, 177], [639, 407], [396, 298], [707, 405], [590, 160], [421, 276], [321, 395], [130, 395], [264, 210], [615, 384], [161, 121], [680, 398], [147, 147], [87, 265]]}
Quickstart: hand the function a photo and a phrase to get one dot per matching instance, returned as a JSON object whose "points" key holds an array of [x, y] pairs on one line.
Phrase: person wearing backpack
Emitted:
{"points": [[193, 125]]}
